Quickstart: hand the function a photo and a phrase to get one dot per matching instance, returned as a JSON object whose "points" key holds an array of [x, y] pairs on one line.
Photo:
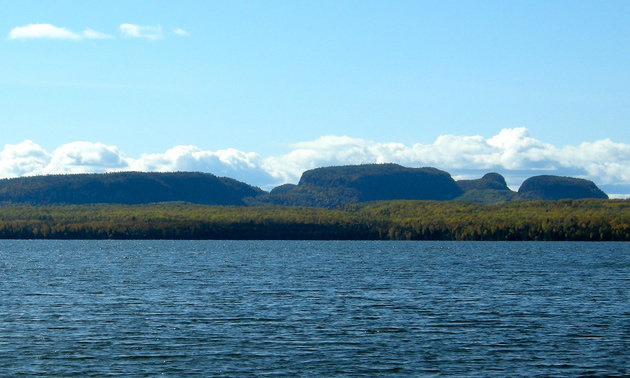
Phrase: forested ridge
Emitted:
{"points": [[580, 220], [125, 188], [321, 187]]}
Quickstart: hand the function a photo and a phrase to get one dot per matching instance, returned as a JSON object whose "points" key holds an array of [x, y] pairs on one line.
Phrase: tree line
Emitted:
{"points": [[580, 220]]}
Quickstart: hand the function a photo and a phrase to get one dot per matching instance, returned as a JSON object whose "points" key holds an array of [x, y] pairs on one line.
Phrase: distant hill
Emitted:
{"points": [[125, 188], [547, 187], [331, 186], [490, 189], [490, 181], [321, 187]]}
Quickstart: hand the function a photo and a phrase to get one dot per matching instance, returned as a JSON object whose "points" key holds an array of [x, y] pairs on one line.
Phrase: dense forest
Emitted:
{"points": [[580, 220]]}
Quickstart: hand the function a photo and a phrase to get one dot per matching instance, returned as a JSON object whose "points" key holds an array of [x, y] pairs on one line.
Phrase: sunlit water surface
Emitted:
{"points": [[138, 308]]}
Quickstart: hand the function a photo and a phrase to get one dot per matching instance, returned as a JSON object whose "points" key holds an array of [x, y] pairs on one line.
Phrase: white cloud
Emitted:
{"points": [[85, 157], [243, 166], [22, 159], [181, 32], [512, 152], [604, 159], [93, 34], [140, 31], [49, 31]]}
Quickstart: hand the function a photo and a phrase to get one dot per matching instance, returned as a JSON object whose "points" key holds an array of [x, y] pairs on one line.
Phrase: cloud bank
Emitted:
{"points": [[49, 31], [512, 152], [139, 31]]}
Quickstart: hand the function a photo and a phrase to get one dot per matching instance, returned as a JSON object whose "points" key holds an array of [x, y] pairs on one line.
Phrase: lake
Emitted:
{"points": [[291, 308]]}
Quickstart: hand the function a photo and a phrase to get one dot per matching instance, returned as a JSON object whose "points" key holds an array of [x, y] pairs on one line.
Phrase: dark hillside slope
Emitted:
{"points": [[489, 181], [125, 188], [490, 189], [547, 187], [331, 186]]}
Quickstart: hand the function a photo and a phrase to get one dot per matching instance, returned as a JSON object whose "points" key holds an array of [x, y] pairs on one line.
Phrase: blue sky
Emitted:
{"points": [[261, 91]]}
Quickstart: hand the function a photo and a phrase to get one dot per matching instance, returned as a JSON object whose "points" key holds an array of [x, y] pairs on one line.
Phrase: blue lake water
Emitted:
{"points": [[230, 308]]}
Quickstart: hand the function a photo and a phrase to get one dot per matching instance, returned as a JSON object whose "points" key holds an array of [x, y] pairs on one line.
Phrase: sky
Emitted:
{"points": [[263, 90]]}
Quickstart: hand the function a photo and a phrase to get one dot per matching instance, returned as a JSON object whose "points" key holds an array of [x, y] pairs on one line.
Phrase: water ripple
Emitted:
{"points": [[144, 308]]}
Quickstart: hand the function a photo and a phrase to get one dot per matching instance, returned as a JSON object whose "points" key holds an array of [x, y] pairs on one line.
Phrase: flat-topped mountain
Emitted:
{"points": [[547, 187], [125, 188], [331, 186]]}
